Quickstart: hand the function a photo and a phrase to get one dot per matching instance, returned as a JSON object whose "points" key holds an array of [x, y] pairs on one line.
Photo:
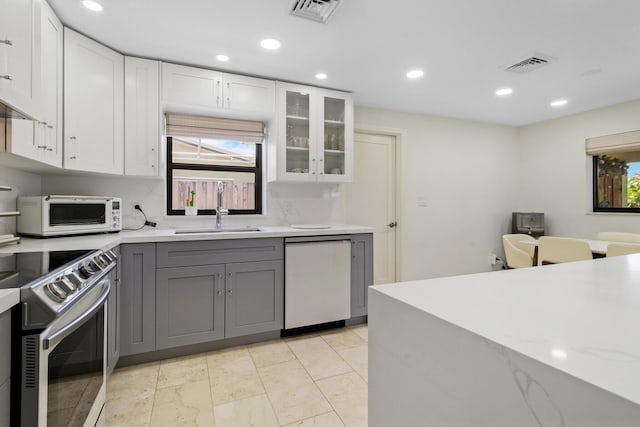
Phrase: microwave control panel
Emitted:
{"points": [[116, 215]]}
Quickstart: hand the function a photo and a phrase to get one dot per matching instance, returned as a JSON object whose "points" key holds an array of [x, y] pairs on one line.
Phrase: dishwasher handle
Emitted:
{"points": [[316, 239]]}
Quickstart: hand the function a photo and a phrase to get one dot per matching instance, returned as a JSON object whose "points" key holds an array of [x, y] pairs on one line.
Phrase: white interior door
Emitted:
{"points": [[371, 199]]}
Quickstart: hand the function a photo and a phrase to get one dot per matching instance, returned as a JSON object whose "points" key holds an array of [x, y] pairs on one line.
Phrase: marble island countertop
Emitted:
{"points": [[579, 318], [107, 241]]}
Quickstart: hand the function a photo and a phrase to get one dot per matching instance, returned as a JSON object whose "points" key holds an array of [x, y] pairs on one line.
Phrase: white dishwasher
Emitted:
{"points": [[317, 280]]}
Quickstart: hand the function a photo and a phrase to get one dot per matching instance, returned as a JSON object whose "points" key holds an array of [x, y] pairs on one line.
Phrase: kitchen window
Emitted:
{"points": [[616, 172], [202, 151]]}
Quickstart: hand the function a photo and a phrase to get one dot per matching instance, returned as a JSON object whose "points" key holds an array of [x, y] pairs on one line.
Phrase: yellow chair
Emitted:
{"points": [[616, 236], [518, 255], [553, 250], [617, 249]]}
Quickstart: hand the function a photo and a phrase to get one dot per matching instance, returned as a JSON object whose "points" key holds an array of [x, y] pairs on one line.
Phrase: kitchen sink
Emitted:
{"points": [[216, 230]]}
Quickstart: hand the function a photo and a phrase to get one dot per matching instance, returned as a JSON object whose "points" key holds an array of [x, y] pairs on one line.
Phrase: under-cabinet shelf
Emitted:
{"points": [[334, 152], [333, 124], [298, 119], [8, 239], [305, 149]]}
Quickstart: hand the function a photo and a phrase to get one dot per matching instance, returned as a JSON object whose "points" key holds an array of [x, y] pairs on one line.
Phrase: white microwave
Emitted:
{"points": [[61, 215]]}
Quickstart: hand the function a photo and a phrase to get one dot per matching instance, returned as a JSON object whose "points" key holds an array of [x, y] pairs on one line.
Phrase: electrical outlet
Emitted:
{"points": [[136, 212], [494, 258]]}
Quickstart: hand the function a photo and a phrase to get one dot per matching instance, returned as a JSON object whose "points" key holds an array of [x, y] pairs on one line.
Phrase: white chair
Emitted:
{"points": [[617, 249], [552, 250], [518, 255], [616, 236]]}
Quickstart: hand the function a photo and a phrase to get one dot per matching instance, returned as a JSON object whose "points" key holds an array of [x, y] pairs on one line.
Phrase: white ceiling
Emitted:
{"points": [[369, 45]]}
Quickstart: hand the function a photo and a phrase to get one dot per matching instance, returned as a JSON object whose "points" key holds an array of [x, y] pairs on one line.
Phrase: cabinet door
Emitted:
{"points": [[254, 298], [21, 138], [189, 305], [138, 299], [249, 94], [48, 131], [93, 102], [361, 272], [141, 116], [113, 316], [19, 46], [188, 86], [296, 139], [335, 153]]}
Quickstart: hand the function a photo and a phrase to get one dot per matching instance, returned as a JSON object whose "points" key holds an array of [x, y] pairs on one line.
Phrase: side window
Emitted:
{"points": [[616, 172], [202, 151]]}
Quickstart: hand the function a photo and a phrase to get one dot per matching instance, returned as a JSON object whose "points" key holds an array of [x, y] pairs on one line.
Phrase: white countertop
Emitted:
{"points": [[8, 298], [107, 241], [582, 318]]}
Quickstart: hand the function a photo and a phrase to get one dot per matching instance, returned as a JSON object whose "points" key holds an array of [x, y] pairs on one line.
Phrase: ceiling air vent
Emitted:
{"points": [[532, 63], [315, 10]]}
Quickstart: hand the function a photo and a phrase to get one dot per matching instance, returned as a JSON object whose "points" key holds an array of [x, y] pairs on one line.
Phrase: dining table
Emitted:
{"points": [[598, 247]]}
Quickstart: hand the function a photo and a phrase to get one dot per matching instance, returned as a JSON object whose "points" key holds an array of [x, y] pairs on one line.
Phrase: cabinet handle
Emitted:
{"points": [[218, 101], [72, 158], [41, 146], [6, 77], [49, 149], [228, 102], [50, 126], [7, 42], [72, 138]]}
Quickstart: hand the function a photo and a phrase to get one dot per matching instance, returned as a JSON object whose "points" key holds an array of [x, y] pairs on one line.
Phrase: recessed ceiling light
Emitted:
{"points": [[415, 74], [270, 44], [222, 58], [559, 103], [321, 76], [92, 5], [505, 91]]}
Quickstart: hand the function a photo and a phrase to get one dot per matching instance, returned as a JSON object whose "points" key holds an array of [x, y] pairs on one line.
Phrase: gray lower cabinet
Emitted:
{"points": [[138, 299], [254, 298], [189, 305], [209, 302], [361, 272], [5, 368], [113, 315]]}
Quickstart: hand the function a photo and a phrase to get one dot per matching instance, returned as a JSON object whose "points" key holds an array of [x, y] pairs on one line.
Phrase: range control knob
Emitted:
{"points": [[55, 292], [68, 287], [89, 269]]}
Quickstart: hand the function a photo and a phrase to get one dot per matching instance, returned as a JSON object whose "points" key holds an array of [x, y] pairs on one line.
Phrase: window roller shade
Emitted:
{"points": [[214, 128], [617, 143]]}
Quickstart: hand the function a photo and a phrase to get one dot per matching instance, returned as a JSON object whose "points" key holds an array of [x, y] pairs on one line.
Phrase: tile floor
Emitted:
{"points": [[311, 380]]}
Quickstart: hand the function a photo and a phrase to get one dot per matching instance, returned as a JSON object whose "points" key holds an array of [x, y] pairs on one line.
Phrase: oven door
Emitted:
{"points": [[64, 367]]}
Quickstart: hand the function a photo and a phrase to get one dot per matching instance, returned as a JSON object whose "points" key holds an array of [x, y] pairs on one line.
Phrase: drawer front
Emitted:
{"points": [[206, 252]]}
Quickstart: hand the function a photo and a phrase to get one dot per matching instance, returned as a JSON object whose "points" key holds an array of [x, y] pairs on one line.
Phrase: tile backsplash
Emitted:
{"points": [[286, 203]]}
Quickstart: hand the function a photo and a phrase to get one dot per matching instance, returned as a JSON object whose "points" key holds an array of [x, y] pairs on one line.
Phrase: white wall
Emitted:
{"points": [[22, 184], [555, 173], [466, 171]]}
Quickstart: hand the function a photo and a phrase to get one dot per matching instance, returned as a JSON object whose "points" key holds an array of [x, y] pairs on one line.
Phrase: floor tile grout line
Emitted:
{"points": [[317, 386]]}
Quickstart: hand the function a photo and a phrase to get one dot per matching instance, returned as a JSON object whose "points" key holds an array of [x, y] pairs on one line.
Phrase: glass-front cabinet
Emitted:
{"points": [[315, 134]]}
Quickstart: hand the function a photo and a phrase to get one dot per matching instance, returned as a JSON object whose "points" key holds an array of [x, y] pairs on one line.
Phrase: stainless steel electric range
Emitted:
{"points": [[59, 339]]}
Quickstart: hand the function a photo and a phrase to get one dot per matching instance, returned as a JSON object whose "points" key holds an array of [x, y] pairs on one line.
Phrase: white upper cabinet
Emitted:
{"points": [[314, 140], [48, 130], [243, 93], [141, 116], [190, 87], [41, 140], [93, 106], [19, 49]]}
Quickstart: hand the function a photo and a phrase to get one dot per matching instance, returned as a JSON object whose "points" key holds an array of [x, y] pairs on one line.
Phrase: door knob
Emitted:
{"points": [[393, 224]]}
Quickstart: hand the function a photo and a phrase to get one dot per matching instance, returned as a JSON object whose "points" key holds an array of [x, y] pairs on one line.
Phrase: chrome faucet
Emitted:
{"points": [[219, 209]]}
